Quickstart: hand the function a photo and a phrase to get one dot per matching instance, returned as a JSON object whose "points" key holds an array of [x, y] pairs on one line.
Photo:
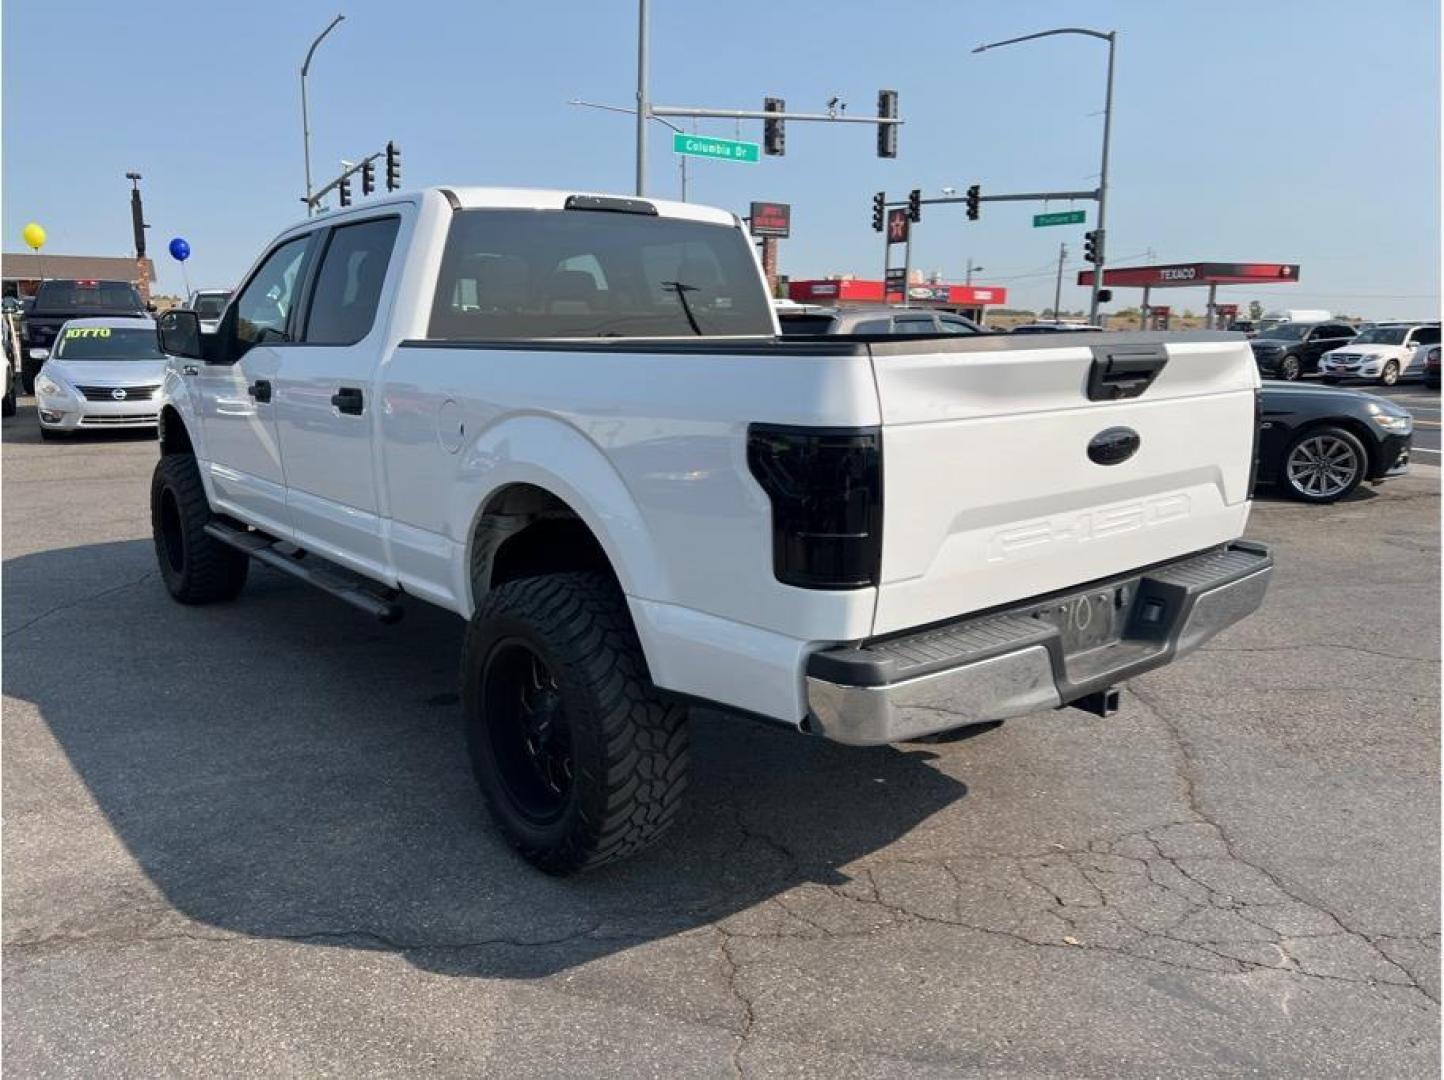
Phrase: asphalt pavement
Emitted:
{"points": [[243, 840]]}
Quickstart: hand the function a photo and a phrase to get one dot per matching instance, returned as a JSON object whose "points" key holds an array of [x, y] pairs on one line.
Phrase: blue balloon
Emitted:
{"points": [[180, 251]]}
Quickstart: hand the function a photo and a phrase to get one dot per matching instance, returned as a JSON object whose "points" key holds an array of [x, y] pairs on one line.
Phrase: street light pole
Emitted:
{"points": [[968, 277], [1102, 244], [644, 104], [1112, 38], [305, 111]]}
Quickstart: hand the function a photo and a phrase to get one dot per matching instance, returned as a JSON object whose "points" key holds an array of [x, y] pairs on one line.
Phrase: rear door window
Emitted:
{"points": [[1426, 335], [915, 324], [956, 326], [509, 274], [348, 283]]}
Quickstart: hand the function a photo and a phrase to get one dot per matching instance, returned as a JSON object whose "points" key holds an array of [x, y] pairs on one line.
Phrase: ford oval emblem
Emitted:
{"points": [[1113, 446]]}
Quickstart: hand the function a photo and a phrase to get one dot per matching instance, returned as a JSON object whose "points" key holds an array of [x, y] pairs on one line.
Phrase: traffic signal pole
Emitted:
{"points": [[317, 197], [647, 111]]}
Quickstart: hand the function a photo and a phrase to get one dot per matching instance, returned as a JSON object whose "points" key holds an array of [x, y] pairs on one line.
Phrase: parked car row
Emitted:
{"points": [[1383, 351]]}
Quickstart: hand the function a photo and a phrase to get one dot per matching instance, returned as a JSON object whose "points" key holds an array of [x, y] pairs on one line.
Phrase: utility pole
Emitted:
{"points": [[968, 277], [305, 111], [1058, 285]]}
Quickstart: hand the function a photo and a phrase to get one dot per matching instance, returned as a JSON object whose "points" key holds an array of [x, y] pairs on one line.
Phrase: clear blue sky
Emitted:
{"points": [[1292, 130]]}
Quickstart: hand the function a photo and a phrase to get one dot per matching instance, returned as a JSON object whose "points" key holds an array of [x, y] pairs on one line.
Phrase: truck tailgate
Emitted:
{"points": [[990, 491]]}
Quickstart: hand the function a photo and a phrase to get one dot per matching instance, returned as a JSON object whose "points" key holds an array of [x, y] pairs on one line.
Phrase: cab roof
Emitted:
{"points": [[506, 198]]}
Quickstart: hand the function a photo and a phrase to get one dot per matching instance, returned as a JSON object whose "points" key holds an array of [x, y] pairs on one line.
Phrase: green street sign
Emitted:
{"points": [[702, 146], [1063, 217]]}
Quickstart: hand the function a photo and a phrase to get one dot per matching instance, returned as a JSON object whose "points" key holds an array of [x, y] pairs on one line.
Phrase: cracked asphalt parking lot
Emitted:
{"points": [[244, 840]]}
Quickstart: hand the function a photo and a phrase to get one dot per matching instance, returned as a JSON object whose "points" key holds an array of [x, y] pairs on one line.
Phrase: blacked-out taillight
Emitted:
{"points": [[825, 485]]}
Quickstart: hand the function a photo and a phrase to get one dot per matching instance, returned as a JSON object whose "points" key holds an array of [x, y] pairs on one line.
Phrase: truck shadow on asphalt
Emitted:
{"points": [[283, 768]]}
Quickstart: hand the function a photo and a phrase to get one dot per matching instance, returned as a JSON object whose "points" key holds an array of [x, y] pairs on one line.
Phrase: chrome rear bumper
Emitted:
{"points": [[1010, 663]]}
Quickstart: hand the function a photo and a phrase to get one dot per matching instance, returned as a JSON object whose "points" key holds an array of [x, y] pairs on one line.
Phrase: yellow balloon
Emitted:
{"points": [[33, 235]]}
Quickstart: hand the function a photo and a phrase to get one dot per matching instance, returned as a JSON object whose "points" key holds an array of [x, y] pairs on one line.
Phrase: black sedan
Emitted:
{"points": [[1317, 444]]}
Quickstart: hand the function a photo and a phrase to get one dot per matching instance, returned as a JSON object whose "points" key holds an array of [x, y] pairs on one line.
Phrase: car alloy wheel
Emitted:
{"points": [[1390, 375], [1323, 467], [1289, 369]]}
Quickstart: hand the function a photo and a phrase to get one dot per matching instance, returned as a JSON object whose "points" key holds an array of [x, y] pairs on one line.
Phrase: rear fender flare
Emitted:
{"points": [[554, 456]]}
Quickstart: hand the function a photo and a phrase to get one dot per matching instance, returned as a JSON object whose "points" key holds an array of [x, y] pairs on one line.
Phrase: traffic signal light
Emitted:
{"points": [[393, 167], [915, 205], [368, 177], [1105, 295], [887, 133], [1093, 246], [345, 191], [774, 139], [975, 196], [879, 209]]}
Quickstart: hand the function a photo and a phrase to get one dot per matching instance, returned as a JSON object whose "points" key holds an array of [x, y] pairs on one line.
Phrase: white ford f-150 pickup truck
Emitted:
{"points": [[571, 420]]}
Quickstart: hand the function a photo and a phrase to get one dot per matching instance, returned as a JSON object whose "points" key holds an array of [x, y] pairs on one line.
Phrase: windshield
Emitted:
{"points": [[63, 296], [581, 273], [210, 305], [1382, 335], [1289, 331], [108, 343]]}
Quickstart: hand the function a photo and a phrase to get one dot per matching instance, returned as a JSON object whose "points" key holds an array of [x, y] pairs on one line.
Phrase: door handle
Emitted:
{"points": [[260, 390], [190, 369], [348, 400]]}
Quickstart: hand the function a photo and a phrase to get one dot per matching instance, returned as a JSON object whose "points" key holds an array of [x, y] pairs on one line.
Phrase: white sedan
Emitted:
{"points": [[101, 373]]}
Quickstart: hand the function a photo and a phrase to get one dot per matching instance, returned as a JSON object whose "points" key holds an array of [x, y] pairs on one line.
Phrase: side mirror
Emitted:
{"points": [[150, 307], [178, 332]]}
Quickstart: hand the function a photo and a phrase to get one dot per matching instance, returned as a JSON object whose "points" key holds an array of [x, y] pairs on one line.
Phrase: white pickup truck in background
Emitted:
{"points": [[571, 420]]}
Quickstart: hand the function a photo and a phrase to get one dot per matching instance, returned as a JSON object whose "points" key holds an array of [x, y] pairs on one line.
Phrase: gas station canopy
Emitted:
{"points": [[1183, 275], [1178, 275]]}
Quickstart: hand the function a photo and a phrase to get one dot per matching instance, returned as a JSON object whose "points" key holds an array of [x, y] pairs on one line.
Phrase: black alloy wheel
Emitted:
{"points": [[530, 735]]}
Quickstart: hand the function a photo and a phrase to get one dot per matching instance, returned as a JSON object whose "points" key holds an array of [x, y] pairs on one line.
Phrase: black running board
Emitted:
{"points": [[265, 550]]}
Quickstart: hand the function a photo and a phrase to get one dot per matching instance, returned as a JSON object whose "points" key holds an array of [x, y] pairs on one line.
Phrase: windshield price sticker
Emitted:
{"points": [[87, 331]]}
